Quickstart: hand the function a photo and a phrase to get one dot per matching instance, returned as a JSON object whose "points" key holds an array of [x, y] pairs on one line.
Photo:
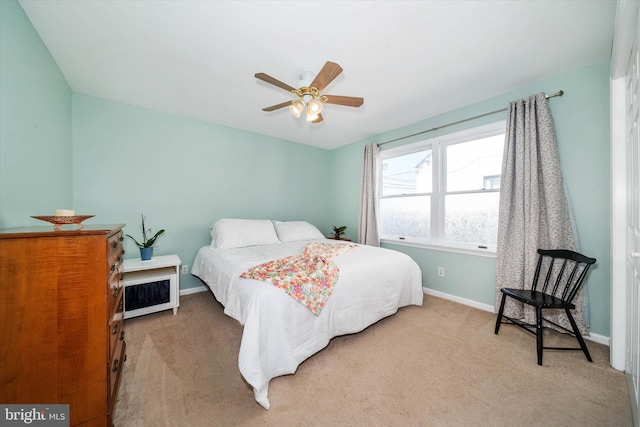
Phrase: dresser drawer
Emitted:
{"points": [[114, 244], [116, 254], [114, 291], [115, 327], [115, 369], [114, 263]]}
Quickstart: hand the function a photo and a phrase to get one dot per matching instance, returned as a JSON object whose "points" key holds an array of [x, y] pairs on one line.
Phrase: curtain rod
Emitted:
{"points": [[559, 93]]}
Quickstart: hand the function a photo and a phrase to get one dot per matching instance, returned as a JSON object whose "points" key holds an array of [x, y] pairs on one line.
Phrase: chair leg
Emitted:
{"points": [[539, 332], [499, 319], [578, 335]]}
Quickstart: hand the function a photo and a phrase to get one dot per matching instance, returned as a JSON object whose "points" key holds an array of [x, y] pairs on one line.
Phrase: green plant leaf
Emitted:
{"points": [[149, 243], [136, 242], [338, 231]]}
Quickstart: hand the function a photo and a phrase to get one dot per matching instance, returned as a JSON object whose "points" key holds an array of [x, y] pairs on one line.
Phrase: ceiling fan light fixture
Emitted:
{"points": [[296, 107], [307, 95], [314, 107]]}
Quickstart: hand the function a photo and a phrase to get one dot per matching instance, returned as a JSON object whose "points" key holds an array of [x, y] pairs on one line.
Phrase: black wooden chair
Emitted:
{"points": [[558, 278]]}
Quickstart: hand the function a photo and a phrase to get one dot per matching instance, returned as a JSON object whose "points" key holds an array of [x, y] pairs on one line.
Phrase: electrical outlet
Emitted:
{"points": [[441, 271], [185, 269]]}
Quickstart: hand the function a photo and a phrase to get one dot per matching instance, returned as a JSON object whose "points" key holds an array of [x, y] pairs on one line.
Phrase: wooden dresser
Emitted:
{"points": [[61, 313]]}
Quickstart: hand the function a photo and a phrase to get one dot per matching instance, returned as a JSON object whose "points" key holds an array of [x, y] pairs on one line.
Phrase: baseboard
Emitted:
{"points": [[465, 301], [600, 339], [194, 290]]}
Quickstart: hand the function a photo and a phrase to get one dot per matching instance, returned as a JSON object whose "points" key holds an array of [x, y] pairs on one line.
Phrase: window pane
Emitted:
{"points": [[475, 165], [406, 217], [408, 174], [472, 218]]}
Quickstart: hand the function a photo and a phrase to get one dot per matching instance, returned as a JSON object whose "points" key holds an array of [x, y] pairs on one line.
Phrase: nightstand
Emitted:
{"points": [[151, 286]]}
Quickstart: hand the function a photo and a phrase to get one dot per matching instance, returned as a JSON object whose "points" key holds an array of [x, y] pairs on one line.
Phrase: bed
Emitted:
{"points": [[280, 332]]}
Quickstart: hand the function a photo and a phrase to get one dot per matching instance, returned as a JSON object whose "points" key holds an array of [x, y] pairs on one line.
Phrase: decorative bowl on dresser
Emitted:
{"points": [[61, 311]]}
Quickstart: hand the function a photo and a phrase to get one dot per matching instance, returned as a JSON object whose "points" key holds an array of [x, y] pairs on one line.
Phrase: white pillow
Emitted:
{"points": [[230, 233], [291, 231]]}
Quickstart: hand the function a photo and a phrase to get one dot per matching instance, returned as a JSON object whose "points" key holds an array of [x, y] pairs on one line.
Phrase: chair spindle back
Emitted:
{"points": [[566, 281]]}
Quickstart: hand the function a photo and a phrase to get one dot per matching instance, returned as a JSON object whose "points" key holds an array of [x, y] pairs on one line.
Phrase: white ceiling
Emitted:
{"points": [[409, 60]]}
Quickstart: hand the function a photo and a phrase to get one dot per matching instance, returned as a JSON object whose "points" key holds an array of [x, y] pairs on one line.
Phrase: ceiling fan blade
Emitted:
{"points": [[277, 106], [329, 71], [318, 120], [267, 78], [349, 101]]}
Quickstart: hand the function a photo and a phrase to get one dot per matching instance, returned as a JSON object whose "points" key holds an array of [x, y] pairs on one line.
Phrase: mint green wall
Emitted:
{"points": [[581, 118], [35, 125], [184, 174]]}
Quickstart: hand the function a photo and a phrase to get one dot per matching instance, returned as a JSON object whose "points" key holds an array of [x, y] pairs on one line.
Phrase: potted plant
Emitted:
{"points": [[146, 247], [338, 231]]}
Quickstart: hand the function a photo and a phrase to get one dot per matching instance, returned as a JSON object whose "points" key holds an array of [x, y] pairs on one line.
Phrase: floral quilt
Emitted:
{"points": [[309, 277]]}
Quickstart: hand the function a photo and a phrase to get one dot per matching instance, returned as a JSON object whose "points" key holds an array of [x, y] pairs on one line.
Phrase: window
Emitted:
{"points": [[444, 191]]}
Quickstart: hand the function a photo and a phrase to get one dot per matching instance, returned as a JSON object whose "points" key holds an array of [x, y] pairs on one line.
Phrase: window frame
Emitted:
{"points": [[438, 193]]}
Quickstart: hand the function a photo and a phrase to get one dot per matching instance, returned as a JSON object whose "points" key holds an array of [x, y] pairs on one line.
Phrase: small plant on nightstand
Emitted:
{"points": [[338, 231], [146, 247]]}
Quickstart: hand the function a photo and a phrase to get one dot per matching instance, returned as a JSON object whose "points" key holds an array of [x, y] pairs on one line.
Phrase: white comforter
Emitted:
{"points": [[279, 332]]}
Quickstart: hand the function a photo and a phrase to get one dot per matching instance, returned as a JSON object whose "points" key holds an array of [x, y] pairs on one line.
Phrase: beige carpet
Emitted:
{"points": [[436, 365]]}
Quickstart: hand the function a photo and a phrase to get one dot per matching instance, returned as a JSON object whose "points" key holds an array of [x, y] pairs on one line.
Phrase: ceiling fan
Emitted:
{"points": [[308, 93]]}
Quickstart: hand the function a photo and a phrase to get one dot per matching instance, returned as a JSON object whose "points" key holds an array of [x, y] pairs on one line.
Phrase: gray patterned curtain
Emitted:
{"points": [[368, 219], [534, 211]]}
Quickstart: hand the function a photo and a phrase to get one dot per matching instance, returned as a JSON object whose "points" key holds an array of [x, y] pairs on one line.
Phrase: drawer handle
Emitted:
{"points": [[122, 336], [113, 267], [115, 329], [121, 276], [115, 365], [114, 244], [115, 292]]}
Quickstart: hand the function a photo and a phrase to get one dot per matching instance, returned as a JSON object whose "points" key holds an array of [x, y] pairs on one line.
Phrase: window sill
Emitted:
{"points": [[488, 253]]}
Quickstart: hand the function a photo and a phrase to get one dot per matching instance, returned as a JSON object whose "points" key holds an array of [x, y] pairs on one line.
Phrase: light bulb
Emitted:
{"points": [[314, 107], [296, 107], [311, 117]]}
